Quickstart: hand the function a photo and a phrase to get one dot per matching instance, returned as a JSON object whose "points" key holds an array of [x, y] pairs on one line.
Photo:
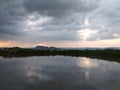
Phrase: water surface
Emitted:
{"points": [[58, 73]]}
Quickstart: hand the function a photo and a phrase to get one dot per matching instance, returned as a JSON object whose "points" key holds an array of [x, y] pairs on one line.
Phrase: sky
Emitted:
{"points": [[60, 23]]}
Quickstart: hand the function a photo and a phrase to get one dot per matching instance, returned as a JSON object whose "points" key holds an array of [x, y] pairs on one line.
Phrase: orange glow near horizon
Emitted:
{"points": [[100, 43], [14, 44]]}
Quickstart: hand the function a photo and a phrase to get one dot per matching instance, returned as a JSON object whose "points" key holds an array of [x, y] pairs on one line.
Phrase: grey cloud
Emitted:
{"points": [[11, 14], [58, 8], [101, 35], [105, 19], [67, 16], [50, 36]]}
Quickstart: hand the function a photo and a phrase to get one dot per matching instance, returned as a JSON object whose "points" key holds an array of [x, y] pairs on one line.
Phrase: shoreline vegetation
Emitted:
{"points": [[107, 54]]}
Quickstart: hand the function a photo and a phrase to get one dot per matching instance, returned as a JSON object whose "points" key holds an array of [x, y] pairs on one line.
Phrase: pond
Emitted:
{"points": [[58, 73]]}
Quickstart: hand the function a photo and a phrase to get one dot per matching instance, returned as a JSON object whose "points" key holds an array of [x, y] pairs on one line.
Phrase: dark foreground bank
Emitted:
{"points": [[108, 54]]}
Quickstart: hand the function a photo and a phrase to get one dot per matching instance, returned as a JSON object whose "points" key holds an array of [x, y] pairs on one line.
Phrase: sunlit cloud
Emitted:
{"points": [[61, 23], [86, 33], [86, 22]]}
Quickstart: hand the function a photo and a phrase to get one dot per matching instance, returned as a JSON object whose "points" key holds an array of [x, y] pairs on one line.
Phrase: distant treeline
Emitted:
{"points": [[108, 54]]}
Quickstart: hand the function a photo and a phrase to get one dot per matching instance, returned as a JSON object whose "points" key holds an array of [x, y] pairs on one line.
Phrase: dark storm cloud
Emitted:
{"points": [[11, 14], [58, 8], [55, 20]]}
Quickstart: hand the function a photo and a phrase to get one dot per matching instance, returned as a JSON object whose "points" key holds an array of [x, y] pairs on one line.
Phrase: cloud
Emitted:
{"points": [[59, 8], [35, 21], [11, 16]]}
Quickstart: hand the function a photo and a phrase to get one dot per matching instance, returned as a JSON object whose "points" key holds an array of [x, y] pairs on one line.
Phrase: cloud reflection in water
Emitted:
{"points": [[86, 64], [34, 76]]}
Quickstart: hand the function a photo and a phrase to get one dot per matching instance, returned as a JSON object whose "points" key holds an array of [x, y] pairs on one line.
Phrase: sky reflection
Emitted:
{"points": [[59, 73], [86, 63], [34, 76]]}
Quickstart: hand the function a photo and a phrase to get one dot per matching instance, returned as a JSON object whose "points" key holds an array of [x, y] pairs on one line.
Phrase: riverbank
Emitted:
{"points": [[107, 54]]}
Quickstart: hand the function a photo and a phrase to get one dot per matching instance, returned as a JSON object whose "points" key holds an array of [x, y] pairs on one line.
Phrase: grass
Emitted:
{"points": [[107, 54]]}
